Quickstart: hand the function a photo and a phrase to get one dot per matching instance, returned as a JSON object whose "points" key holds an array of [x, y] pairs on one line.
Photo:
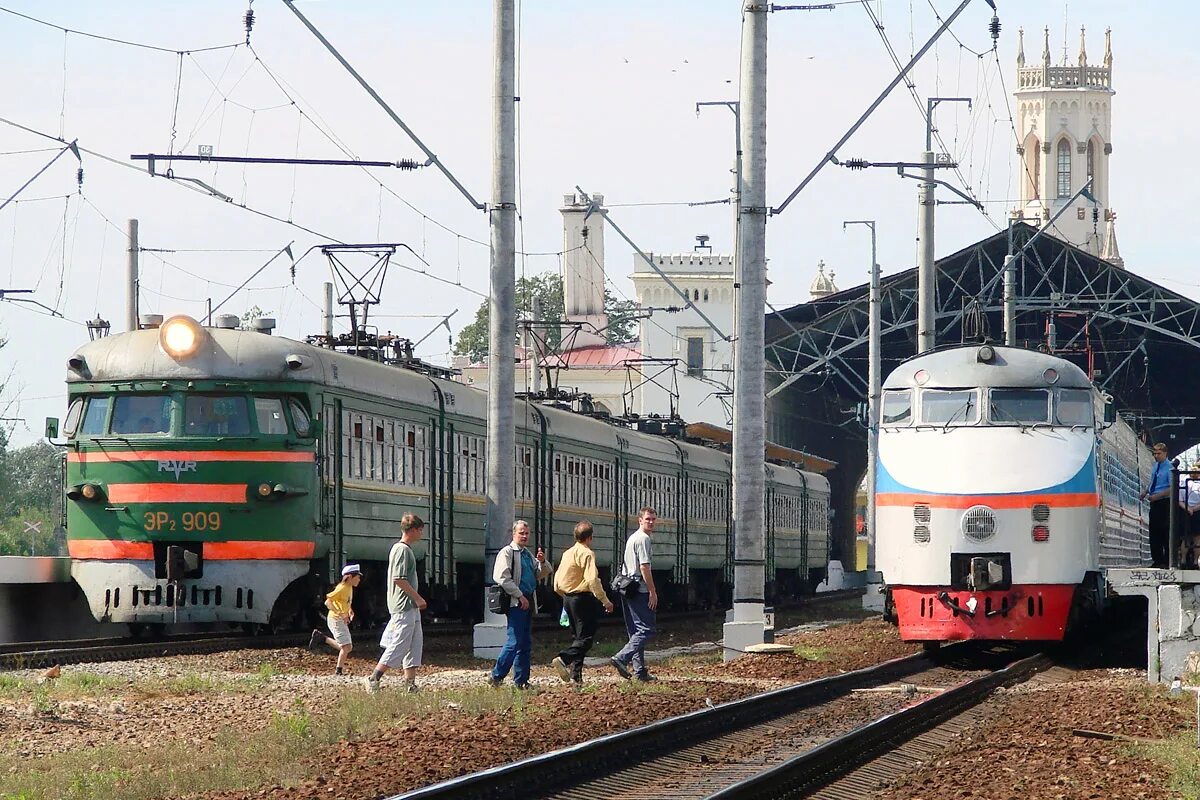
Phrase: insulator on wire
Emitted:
{"points": [[855, 163], [79, 177], [249, 18], [994, 27], [407, 164]]}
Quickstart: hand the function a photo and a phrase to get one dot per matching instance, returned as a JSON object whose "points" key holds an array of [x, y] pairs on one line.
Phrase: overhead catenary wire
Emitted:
{"points": [[116, 40]]}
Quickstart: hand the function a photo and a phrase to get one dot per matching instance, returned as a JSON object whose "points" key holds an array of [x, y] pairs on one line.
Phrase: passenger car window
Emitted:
{"points": [[1075, 407], [269, 413], [141, 414], [1019, 406], [96, 416], [72, 420], [897, 407], [300, 418], [208, 415], [953, 407]]}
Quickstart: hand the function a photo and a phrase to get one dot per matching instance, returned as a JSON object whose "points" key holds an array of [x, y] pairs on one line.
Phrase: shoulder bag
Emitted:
{"points": [[497, 599], [624, 585]]}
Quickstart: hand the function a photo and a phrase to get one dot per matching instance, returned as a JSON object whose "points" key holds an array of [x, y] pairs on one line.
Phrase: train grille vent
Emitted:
{"points": [[979, 523], [1041, 513], [922, 514], [921, 534]]}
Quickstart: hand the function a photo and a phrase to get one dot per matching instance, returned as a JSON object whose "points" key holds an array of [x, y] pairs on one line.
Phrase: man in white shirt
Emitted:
{"points": [[1189, 503], [639, 609]]}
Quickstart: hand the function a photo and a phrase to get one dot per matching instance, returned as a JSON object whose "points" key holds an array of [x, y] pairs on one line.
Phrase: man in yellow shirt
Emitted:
{"points": [[578, 582], [341, 612]]}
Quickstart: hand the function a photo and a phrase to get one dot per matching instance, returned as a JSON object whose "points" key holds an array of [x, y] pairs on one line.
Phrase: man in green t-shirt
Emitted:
{"points": [[402, 638]]}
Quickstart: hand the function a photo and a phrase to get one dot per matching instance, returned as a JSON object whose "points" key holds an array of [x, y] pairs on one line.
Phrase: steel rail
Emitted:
{"points": [[560, 769], [825, 763]]}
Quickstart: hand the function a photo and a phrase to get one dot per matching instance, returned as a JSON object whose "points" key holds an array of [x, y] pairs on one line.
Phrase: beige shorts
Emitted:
{"points": [[339, 628], [402, 640]]}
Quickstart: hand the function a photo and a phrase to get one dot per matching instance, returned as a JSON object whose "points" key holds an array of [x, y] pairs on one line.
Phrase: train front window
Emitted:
{"points": [[953, 407], [269, 412], [95, 417], [1019, 406], [71, 423], [211, 415], [1074, 407], [897, 407], [141, 414], [300, 418]]}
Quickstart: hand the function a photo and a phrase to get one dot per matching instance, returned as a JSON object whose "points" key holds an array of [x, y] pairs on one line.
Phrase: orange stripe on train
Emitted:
{"points": [[103, 457], [176, 493], [1065, 500], [110, 549], [240, 551]]}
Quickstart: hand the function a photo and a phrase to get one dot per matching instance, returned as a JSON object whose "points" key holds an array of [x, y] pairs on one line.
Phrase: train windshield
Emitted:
{"points": [[1019, 406], [216, 415], [897, 407], [953, 407], [95, 417], [1074, 407], [141, 414]]}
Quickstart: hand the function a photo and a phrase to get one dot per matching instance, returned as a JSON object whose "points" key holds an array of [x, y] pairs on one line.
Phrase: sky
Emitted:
{"points": [[608, 95]]}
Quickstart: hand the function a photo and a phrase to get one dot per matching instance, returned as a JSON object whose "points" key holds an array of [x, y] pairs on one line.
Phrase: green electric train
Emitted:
{"points": [[223, 475]]}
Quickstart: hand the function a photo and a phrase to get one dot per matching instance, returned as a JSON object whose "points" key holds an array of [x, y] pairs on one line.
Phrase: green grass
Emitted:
{"points": [[811, 653], [239, 758], [1182, 760]]}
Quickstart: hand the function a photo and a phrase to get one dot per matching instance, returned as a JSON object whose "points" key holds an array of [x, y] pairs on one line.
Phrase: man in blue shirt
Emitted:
{"points": [[517, 572], [1159, 493]]}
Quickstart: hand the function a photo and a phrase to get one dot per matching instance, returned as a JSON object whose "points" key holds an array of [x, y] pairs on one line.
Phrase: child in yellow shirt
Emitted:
{"points": [[341, 613]]}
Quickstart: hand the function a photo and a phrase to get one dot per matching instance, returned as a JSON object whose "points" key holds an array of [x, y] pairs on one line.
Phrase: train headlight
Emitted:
{"points": [[85, 491], [265, 490], [180, 336], [986, 354], [1050, 375]]}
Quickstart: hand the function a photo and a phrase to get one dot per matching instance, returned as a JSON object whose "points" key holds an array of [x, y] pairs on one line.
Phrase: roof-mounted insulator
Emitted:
{"points": [[855, 163], [249, 19], [994, 27]]}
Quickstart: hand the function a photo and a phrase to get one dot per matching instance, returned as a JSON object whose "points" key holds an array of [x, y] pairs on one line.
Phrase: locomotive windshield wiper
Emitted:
{"points": [[998, 410], [965, 407]]}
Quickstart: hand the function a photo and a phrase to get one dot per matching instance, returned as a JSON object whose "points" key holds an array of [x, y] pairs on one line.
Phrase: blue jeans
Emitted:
{"points": [[515, 655], [640, 625]]}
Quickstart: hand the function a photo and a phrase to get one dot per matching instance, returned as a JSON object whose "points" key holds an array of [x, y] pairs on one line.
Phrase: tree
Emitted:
{"points": [[548, 288], [252, 314]]}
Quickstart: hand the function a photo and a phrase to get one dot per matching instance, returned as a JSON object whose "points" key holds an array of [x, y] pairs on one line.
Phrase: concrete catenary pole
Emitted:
{"points": [[328, 313], [131, 278], [749, 388], [873, 599], [926, 279], [1010, 300], [502, 320]]}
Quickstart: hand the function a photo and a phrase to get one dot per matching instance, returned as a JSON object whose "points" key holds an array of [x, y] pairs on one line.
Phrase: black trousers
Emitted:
{"points": [[1160, 531], [583, 610]]}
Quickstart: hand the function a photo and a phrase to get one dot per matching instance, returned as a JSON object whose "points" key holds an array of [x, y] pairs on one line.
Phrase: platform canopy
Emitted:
{"points": [[1139, 340]]}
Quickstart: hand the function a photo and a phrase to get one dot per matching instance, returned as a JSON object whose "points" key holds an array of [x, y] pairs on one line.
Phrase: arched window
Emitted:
{"points": [[1091, 160], [706, 295], [1064, 168]]}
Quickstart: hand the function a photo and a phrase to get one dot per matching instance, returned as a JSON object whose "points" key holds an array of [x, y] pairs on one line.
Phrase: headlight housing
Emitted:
{"points": [[180, 337]]}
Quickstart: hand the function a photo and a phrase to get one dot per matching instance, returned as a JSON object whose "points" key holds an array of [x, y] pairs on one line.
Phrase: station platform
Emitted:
{"points": [[35, 569], [1173, 617]]}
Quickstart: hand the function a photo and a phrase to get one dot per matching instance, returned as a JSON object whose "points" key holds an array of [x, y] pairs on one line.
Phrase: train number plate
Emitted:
{"points": [[188, 521]]}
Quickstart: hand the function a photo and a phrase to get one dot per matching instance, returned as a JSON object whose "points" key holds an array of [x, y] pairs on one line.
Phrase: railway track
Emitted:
{"points": [[777, 744], [34, 655]]}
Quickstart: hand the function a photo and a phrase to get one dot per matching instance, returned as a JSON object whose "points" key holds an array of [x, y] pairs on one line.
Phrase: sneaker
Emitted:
{"points": [[495, 682], [645, 677], [372, 685], [412, 688], [564, 671], [621, 669], [316, 640], [525, 688], [338, 671]]}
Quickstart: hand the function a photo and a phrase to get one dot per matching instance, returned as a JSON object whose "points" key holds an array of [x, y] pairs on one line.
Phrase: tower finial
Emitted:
{"points": [[1020, 47], [1108, 47], [1082, 46], [1046, 48]]}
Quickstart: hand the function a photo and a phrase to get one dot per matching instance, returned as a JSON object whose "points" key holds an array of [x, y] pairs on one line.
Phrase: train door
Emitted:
{"points": [[332, 470], [439, 558], [772, 521]]}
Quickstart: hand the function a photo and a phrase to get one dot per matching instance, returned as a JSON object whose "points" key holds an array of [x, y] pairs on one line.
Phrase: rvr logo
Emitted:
{"points": [[177, 466]]}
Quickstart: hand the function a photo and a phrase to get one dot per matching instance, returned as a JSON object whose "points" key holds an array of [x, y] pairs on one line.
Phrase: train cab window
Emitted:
{"points": [[141, 414], [897, 407], [96, 416], [1018, 406], [268, 411], [71, 423], [1074, 407], [300, 418], [208, 415], [952, 407]]}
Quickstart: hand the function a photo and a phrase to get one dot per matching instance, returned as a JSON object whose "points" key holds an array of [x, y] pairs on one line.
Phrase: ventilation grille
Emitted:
{"points": [[979, 523], [1040, 512], [921, 534], [922, 514]]}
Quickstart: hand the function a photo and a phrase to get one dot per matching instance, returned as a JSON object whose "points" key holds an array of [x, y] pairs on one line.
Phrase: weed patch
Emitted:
{"points": [[811, 653], [1182, 760]]}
